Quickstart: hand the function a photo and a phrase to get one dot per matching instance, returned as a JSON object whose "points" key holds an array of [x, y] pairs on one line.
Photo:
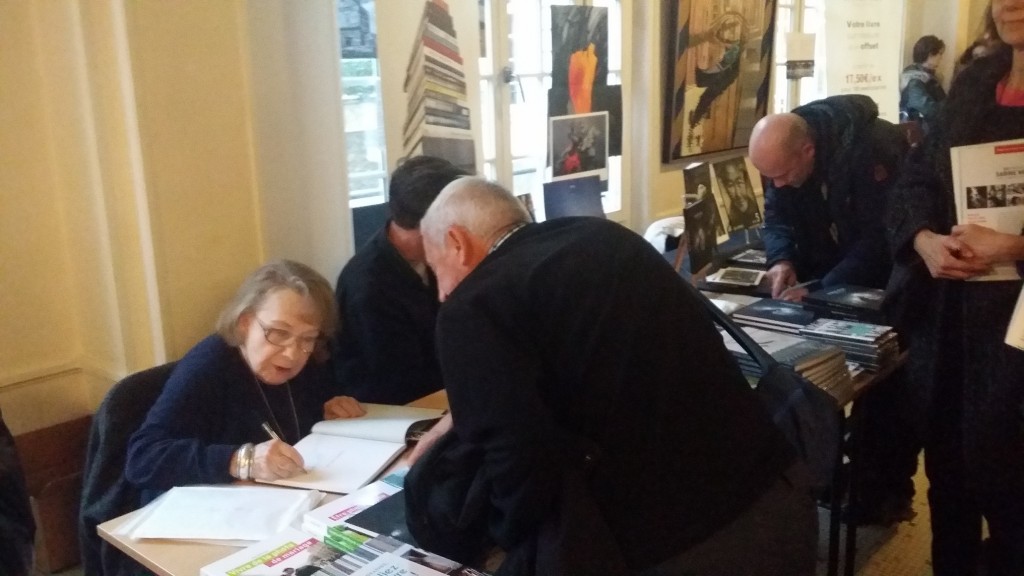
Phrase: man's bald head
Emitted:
{"points": [[782, 149]]}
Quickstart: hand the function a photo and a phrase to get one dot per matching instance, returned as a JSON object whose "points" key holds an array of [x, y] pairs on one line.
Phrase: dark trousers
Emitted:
{"points": [[974, 456], [776, 536], [889, 437]]}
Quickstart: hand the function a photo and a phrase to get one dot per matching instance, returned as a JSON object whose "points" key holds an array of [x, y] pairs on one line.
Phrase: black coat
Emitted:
{"points": [[839, 239], [973, 383], [17, 527], [606, 423], [384, 348]]}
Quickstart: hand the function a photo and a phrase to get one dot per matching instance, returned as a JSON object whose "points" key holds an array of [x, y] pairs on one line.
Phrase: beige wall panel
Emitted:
{"points": [[193, 125], [37, 313]]}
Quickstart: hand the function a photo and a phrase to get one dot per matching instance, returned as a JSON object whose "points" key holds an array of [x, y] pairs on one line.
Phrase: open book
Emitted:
{"points": [[343, 455]]}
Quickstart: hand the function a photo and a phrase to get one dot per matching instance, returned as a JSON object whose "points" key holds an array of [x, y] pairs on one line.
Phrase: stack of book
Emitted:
{"points": [[821, 364], [873, 346], [847, 302], [348, 553], [777, 315], [318, 522], [438, 118]]}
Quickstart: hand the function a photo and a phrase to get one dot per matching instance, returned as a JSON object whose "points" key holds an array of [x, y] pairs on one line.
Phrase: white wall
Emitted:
{"points": [[141, 180]]}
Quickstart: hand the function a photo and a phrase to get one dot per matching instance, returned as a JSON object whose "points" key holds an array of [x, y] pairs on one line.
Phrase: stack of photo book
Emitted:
{"points": [[873, 346], [820, 363], [847, 302], [777, 315]]}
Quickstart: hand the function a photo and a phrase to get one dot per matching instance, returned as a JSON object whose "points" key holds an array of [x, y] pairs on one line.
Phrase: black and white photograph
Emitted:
{"points": [[739, 276], [996, 196], [697, 184], [977, 197], [579, 145], [699, 223], [736, 194]]}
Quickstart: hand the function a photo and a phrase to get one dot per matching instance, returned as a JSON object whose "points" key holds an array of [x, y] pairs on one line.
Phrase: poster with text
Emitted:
{"points": [[863, 48], [430, 80]]}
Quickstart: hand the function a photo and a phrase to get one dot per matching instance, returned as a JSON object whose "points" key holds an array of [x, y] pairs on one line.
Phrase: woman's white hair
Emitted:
{"points": [[484, 208]]}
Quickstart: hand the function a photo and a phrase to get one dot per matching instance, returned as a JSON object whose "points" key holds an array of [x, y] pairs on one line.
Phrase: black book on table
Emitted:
{"points": [[849, 298], [769, 312], [386, 517]]}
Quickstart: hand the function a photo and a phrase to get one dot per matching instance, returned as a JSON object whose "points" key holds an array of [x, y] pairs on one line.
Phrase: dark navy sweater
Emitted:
{"points": [[209, 407]]}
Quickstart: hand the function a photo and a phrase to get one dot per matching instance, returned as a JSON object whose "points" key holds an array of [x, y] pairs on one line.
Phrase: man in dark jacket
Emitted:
{"points": [[387, 297], [920, 89], [615, 432], [830, 165]]}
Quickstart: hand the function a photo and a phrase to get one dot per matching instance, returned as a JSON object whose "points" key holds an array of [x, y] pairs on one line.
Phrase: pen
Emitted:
{"points": [[270, 431], [273, 435]]}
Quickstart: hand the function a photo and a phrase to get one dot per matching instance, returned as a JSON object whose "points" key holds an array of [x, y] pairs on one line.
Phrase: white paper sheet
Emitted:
{"points": [[224, 512]]}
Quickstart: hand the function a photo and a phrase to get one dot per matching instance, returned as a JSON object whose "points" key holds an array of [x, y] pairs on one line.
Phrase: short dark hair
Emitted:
{"points": [[415, 184], [926, 46]]}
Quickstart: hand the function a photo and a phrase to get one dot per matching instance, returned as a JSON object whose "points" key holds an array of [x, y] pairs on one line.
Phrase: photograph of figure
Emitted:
{"points": [[1015, 194], [579, 145], [996, 196], [738, 201], [976, 197], [699, 218], [697, 186]]}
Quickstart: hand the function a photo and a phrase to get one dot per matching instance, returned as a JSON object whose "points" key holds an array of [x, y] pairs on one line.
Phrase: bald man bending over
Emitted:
{"points": [[830, 165]]}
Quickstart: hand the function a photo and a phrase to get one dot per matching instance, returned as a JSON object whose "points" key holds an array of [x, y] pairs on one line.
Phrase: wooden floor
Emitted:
{"points": [[900, 550]]}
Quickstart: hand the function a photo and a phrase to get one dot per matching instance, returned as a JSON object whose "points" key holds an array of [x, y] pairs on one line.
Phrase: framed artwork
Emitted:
{"points": [[719, 74], [579, 145], [736, 195]]}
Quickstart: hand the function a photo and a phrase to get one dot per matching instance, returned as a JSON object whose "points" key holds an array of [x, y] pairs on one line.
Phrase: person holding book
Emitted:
{"points": [[238, 400], [384, 352], [600, 423], [974, 445]]}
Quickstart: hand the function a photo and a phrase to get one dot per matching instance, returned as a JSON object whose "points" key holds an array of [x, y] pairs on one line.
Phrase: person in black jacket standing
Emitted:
{"points": [[974, 446], [830, 165], [616, 433], [386, 295]]}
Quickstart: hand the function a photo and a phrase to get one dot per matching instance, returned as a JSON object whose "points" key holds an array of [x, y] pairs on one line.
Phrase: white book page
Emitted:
{"points": [[224, 512], [988, 187], [381, 422], [341, 464]]}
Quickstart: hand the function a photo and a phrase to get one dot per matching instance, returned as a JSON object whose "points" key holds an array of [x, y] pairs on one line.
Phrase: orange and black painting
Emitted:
{"points": [[719, 74]]}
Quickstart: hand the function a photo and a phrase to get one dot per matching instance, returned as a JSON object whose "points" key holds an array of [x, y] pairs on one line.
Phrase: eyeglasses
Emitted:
{"points": [[280, 337]]}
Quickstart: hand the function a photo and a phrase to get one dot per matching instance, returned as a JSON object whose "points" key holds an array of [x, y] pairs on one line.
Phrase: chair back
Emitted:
{"points": [[106, 493]]}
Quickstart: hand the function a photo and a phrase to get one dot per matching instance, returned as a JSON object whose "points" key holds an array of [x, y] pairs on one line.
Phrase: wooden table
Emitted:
{"points": [[177, 558]]}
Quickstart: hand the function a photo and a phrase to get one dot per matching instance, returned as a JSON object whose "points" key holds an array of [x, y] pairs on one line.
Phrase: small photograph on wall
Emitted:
{"points": [[605, 99], [719, 74], [736, 196], [578, 145], [579, 52]]}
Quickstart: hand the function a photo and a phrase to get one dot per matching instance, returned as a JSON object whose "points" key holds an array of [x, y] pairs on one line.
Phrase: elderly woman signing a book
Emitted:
{"points": [[236, 402]]}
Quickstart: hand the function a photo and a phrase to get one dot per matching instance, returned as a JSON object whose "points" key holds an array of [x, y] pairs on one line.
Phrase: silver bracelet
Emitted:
{"points": [[243, 461]]}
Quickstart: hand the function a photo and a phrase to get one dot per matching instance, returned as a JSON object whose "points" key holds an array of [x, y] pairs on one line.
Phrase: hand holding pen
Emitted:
{"points": [[275, 458]]}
